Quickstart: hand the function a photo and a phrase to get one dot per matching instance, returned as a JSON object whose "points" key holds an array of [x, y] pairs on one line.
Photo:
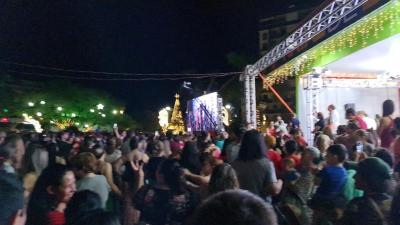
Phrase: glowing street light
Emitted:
{"points": [[114, 112], [31, 104], [59, 108], [73, 115], [100, 106], [228, 107], [86, 125], [121, 112], [39, 114], [92, 110], [168, 108], [103, 115], [42, 102]]}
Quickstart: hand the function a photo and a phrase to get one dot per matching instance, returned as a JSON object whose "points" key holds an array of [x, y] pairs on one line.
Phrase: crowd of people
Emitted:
{"points": [[347, 176]]}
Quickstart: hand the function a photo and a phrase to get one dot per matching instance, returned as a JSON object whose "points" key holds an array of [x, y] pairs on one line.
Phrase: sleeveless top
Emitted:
{"points": [[386, 136]]}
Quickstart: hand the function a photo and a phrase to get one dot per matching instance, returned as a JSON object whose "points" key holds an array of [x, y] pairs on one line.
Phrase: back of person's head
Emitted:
{"points": [[291, 147], [81, 204], [253, 146], [373, 175], [385, 155], [352, 126], [341, 129], [85, 162], [134, 142], [98, 151], [350, 112], [173, 176], [11, 197], [339, 151], [98, 217], [223, 178], [235, 207], [320, 115], [323, 142], [387, 108], [270, 141]]}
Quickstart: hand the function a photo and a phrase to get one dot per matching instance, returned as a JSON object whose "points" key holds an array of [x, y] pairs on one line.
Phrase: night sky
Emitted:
{"points": [[192, 36]]}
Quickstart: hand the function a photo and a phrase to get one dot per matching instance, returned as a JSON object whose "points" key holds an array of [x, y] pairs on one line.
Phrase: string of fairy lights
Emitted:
{"points": [[371, 29]]}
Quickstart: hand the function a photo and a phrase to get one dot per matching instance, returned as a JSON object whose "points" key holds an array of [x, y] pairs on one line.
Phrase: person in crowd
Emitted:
{"points": [[80, 205], [156, 151], [289, 172], [113, 153], [387, 157], [85, 166], [223, 178], [176, 148], [105, 168], [373, 208], [272, 154], [322, 142], [191, 157], [386, 124], [167, 201], [362, 149], [235, 207], [35, 160], [352, 117], [199, 183], [53, 190], [395, 148], [255, 171], [291, 152], [371, 123], [64, 146], [230, 150], [329, 199], [11, 188], [349, 138], [295, 123], [333, 118], [3, 136], [11, 153], [320, 124]]}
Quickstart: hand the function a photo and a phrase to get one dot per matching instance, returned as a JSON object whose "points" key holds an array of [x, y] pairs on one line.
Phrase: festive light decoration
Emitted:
{"points": [[73, 115], [100, 106], [177, 125], [115, 112], [31, 104], [59, 108], [92, 110], [377, 26], [39, 114], [163, 119], [121, 112], [42, 102]]}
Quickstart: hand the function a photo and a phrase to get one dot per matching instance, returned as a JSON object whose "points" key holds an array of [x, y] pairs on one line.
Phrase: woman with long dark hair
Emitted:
{"points": [[167, 201], [53, 190], [256, 173], [386, 124]]}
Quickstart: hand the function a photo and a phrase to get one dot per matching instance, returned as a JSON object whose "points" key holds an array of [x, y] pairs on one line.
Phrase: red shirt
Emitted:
{"points": [[361, 123], [275, 158], [56, 218]]}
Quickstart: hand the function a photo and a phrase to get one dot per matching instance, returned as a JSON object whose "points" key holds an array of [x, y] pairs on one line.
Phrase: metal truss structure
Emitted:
{"points": [[326, 18]]}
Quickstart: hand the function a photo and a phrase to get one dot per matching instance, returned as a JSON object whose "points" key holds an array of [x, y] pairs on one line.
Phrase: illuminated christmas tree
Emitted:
{"points": [[177, 125]]}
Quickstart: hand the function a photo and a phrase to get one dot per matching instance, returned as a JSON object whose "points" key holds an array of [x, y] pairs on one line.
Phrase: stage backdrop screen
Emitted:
{"points": [[203, 113]]}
